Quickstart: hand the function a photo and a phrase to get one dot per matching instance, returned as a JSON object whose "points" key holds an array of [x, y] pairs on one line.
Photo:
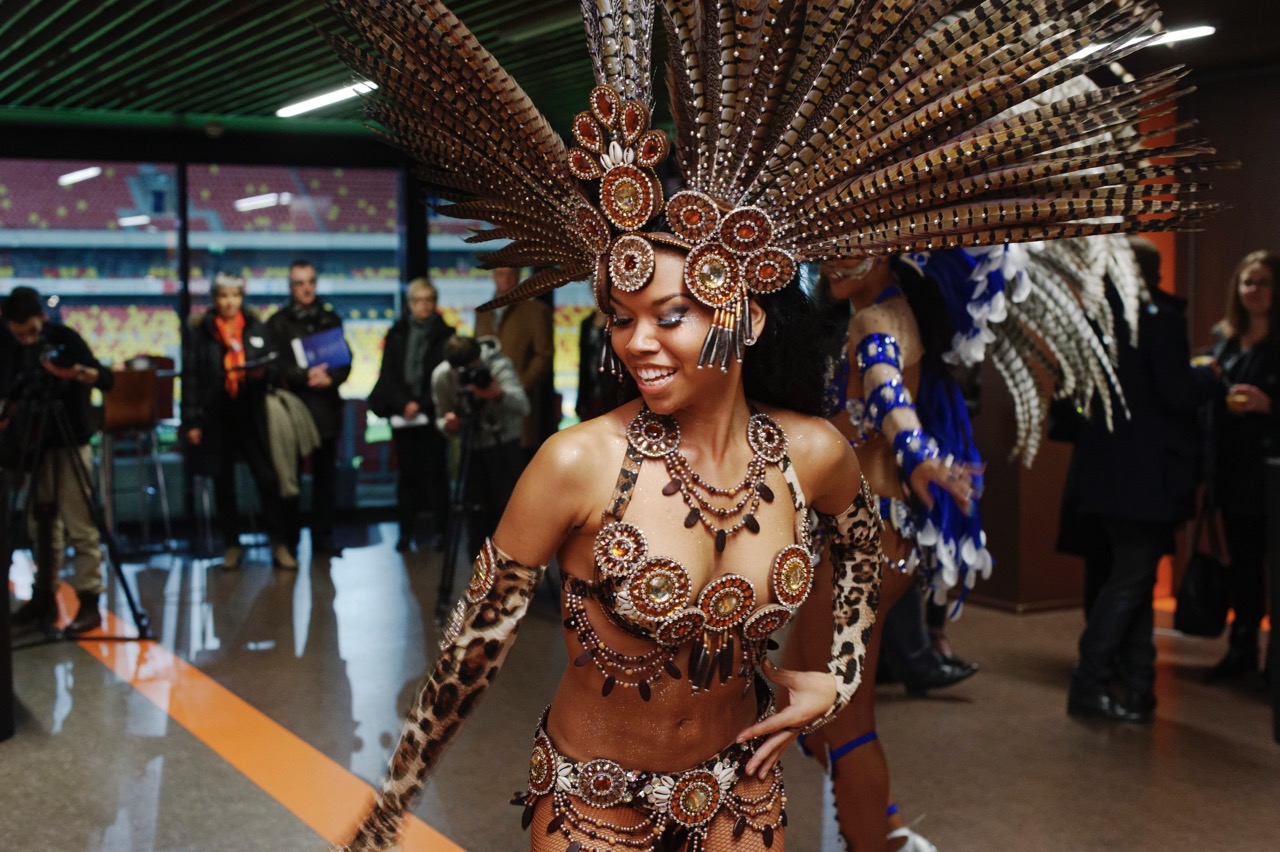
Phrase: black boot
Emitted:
{"points": [[1094, 701], [939, 676], [88, 617]]}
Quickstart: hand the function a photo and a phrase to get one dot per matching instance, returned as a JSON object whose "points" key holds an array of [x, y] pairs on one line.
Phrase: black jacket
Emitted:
{"points": [[23, 379], [1147, 468], [288, 324], [1243, 442], [205, 400], [392, 393]]}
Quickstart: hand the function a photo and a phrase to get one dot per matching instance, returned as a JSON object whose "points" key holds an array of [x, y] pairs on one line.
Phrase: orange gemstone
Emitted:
{"points": [[650, 149], [601, 784], [692, 216], [746, 231], [604, 105]]}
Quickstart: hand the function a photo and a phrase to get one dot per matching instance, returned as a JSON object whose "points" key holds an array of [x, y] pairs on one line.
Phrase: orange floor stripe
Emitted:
{"points": [[326, 796]]}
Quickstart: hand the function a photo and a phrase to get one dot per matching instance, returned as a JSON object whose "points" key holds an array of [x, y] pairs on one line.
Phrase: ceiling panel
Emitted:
{"points": [[120, 61]]}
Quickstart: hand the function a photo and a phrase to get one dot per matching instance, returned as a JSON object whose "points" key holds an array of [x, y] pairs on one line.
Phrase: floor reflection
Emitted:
{"points": [[235, 730]]}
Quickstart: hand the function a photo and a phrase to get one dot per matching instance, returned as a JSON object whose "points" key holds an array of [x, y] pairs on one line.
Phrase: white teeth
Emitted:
{"points": [[654, 375]]}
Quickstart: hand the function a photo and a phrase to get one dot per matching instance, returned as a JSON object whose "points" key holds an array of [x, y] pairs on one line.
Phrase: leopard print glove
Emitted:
{"points": [[480, 631], [854, 537]]}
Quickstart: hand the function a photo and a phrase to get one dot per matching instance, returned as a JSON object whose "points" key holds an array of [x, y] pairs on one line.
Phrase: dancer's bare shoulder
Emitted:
{"points": [[828, 469]]}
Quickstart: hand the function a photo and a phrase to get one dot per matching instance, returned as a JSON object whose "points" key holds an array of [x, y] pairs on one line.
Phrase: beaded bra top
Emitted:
{"points": [[651, 596]]}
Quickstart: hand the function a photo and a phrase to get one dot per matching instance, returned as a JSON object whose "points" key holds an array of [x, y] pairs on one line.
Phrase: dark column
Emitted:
{"points": [[414, 256], [1273, 567], [6, 642], [183, 210]]}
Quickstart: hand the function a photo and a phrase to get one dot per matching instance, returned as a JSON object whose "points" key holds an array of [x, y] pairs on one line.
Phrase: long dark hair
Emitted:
{"points": [[1235, 320], [785, 367]]}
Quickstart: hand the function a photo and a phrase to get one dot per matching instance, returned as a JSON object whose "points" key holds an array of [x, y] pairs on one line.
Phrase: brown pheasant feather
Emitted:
{"points": [[869, 127], [477, 138], [855, 126]]}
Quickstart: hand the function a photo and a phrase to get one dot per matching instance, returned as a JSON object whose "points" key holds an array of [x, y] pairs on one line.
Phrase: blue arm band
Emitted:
{"points": [[878, 349], [912, 447], [885, 398]]}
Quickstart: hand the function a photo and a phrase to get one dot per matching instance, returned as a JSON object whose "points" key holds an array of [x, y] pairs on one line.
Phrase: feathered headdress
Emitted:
{"points": [[804, 131]]}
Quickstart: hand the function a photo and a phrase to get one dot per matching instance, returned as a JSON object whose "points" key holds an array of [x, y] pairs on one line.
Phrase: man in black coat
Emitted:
{"points": [[414, 347], [51, 367], [1127, 490], [317, 386]]}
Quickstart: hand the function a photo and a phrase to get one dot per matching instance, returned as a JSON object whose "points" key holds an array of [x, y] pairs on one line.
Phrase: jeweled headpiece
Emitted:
{"points": [[805, 131]]}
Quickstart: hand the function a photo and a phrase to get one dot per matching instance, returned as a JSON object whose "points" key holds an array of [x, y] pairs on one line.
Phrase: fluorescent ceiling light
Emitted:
{"points": [[259, 202], [1169, 37], [79, 175], [133, 221], [325, 99]]}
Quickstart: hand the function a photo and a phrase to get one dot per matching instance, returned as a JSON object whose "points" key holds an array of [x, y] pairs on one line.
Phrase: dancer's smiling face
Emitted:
{"points": [[658, 333]]}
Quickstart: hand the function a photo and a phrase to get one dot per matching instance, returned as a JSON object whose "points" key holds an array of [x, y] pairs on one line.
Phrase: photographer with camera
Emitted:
{"points": [[479, 398], [52, 365]]}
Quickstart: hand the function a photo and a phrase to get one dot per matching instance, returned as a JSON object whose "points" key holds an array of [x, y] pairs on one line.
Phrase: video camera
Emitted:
{"points": [[31, 381], [474, 374]]}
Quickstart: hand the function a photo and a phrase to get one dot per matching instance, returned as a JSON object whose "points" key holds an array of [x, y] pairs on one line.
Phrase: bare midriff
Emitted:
{"points": [[677, 728]]}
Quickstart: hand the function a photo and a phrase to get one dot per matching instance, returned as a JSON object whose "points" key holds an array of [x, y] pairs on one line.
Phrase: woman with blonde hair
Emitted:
{"points": [[413, 348], [226, 413]]}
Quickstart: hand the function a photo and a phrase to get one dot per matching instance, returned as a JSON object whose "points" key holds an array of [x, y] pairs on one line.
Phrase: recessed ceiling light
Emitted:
{"points": [[79, 175], [325, 99]]}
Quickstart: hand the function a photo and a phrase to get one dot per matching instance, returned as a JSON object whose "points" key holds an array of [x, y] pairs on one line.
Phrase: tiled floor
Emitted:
{"points": [[270, 694]]}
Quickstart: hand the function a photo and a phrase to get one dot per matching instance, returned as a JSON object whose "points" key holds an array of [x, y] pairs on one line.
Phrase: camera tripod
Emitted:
{"points": [[461, 516], [40, 418]]}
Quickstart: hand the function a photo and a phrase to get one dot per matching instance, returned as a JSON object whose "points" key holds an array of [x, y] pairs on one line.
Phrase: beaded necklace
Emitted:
{"points": [[658, 437]]}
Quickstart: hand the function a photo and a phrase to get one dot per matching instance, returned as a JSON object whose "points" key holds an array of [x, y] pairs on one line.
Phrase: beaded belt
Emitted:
{"points": [[678, 805]]}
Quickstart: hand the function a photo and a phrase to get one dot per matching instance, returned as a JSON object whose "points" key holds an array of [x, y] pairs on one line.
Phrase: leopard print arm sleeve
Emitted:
{"points": [[854, 541], [477, 637]]}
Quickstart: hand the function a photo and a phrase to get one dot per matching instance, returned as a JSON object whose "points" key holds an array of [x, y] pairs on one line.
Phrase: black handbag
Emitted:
{"points": [[1203, 597]]}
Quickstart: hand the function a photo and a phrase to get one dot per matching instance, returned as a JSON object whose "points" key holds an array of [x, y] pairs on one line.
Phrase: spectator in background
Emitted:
{"points": [[414, 346], [478, 397], [1246, 432], [1128, 488], [526, 334], [47, 352], [599, 391], [317, 387], [226, 384]]}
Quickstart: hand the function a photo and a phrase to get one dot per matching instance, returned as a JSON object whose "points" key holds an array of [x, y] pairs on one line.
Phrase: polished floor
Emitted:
{"points": [[271, 700]]}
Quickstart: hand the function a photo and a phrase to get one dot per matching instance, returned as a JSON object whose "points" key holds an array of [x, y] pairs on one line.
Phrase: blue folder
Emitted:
{"points": [[324, 347]]}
